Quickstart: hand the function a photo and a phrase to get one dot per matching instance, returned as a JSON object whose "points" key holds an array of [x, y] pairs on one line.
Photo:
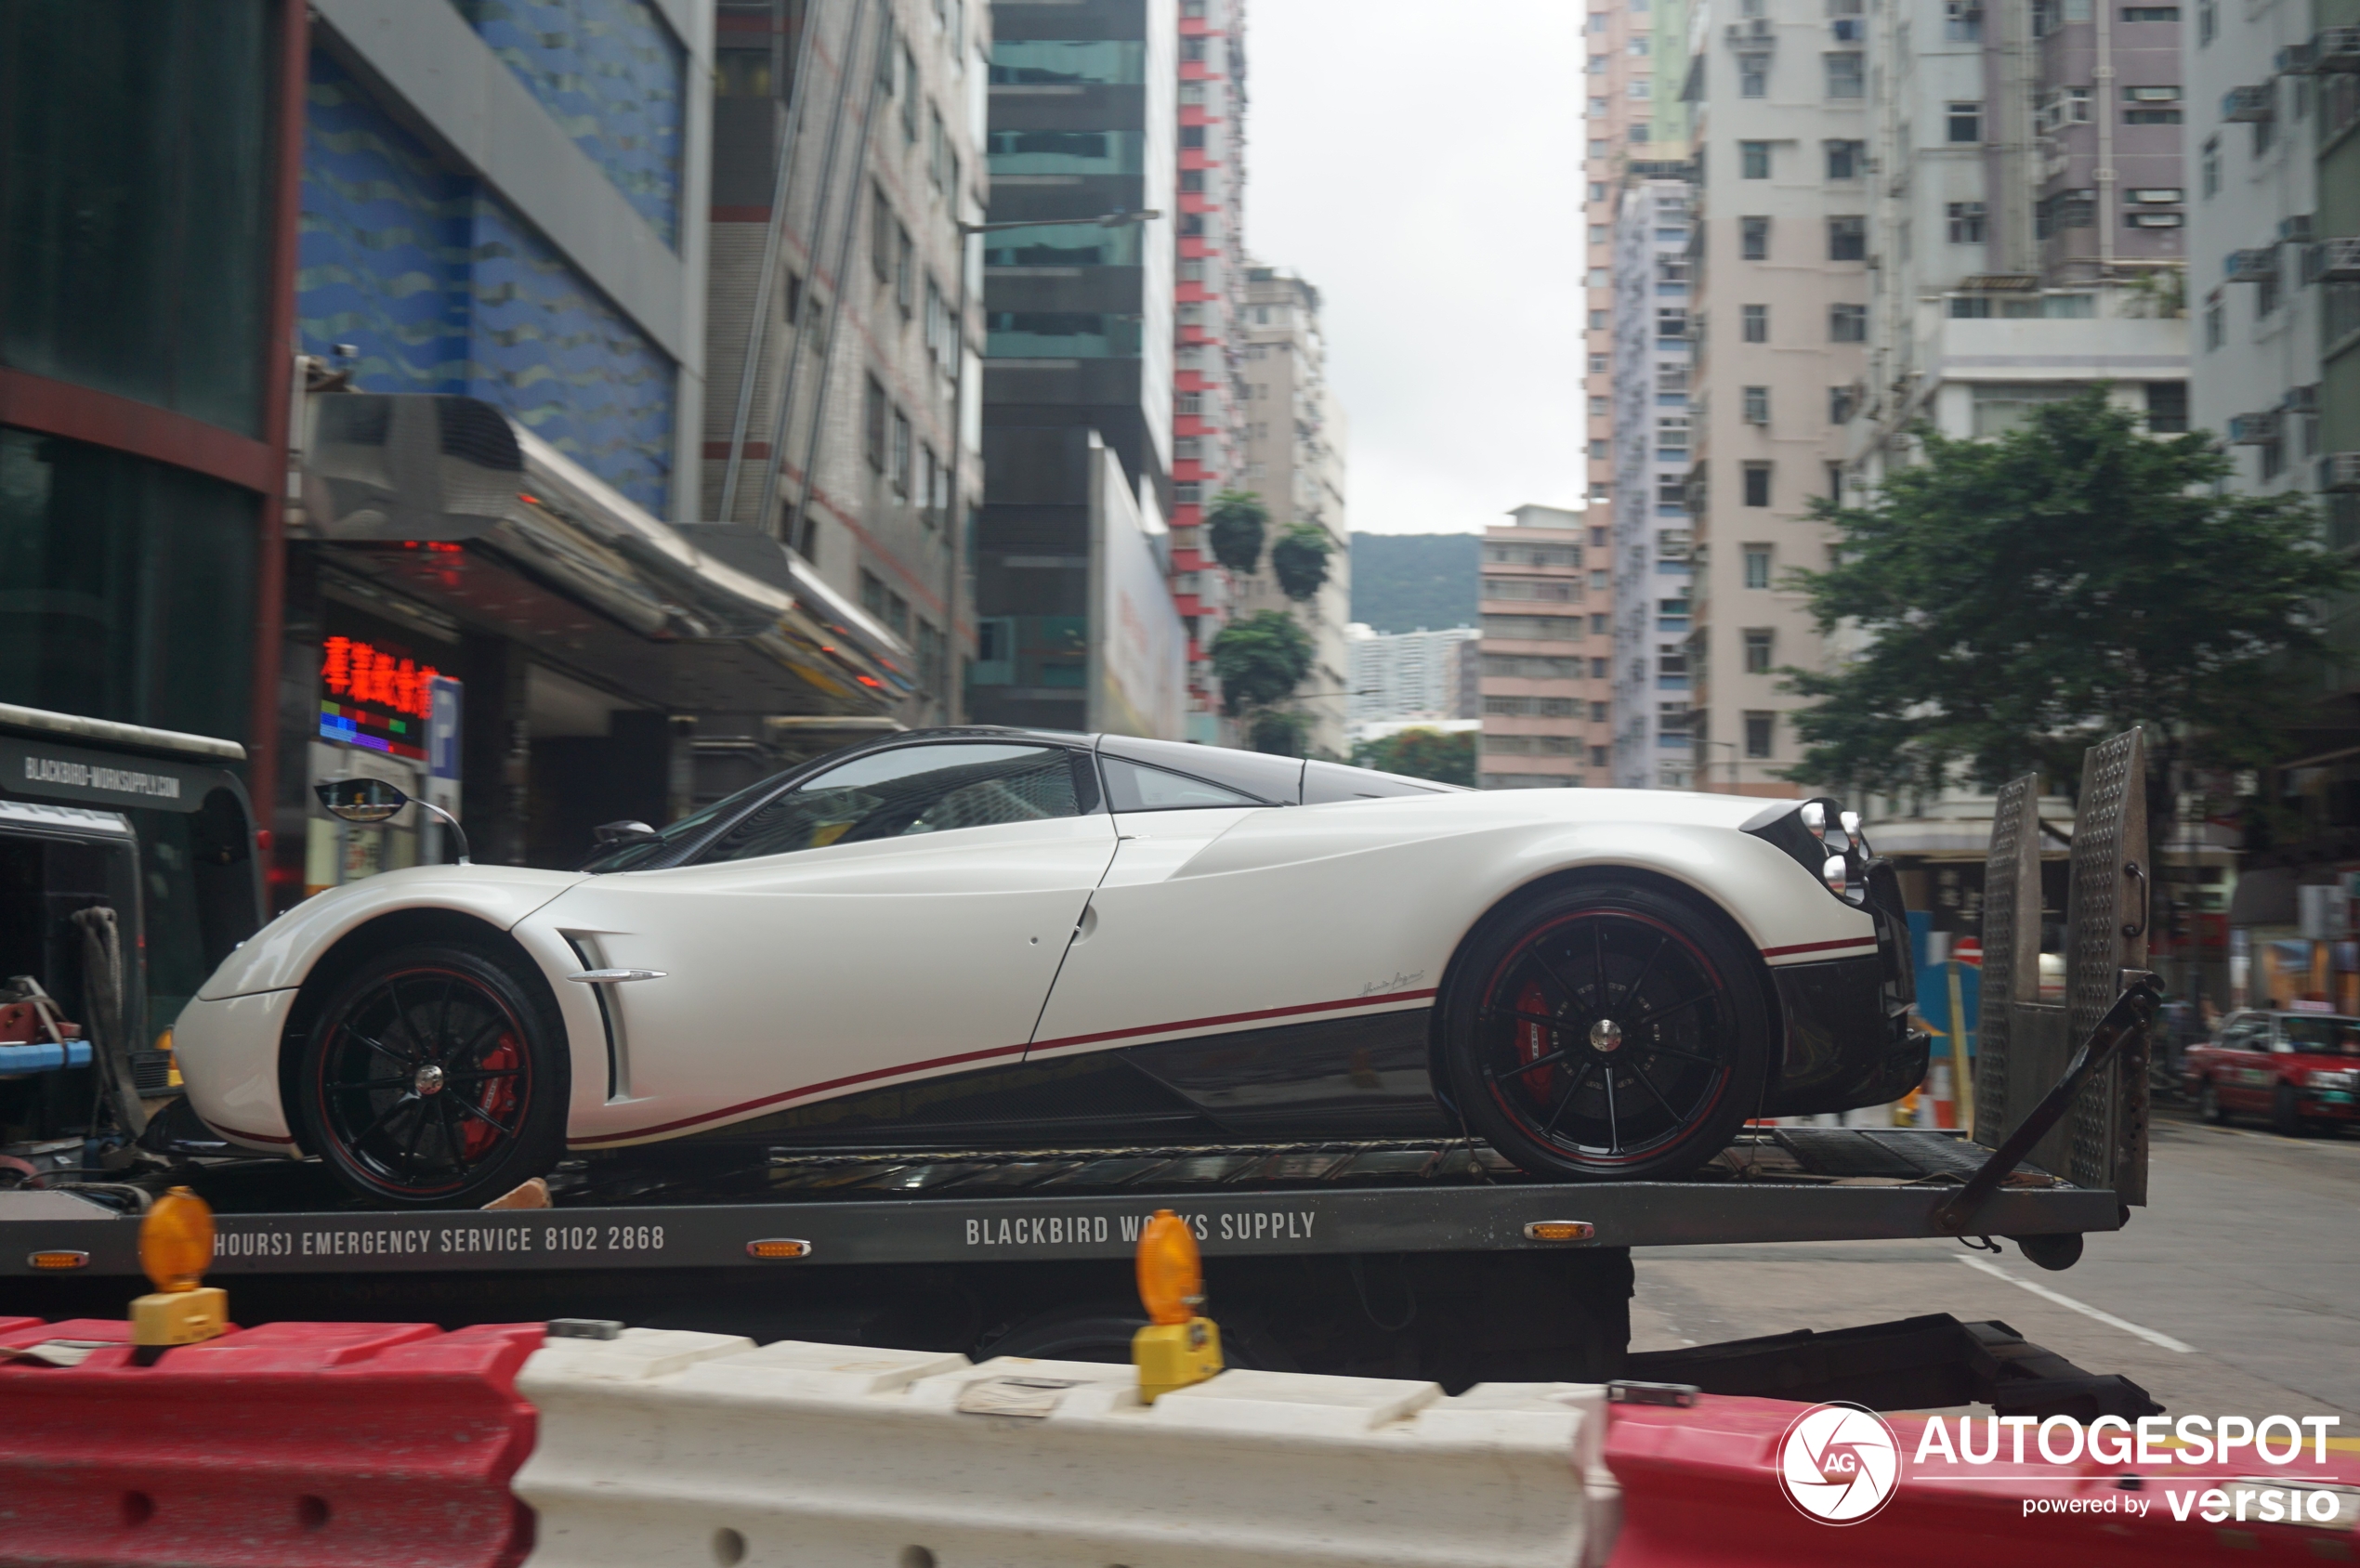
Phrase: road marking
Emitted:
{"points": [[2149, 1335]]}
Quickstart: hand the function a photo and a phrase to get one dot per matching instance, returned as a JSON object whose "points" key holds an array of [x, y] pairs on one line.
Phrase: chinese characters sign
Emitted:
{"points": [[374, 698]]}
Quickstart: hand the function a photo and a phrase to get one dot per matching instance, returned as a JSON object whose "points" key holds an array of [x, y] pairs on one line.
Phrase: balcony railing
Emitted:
{"points": [[2336, 48], [2246, 105], [2337, 260], [2252, 266]]}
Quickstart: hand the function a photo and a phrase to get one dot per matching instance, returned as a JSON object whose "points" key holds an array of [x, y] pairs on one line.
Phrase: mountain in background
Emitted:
{"points": [[1401, 581]]}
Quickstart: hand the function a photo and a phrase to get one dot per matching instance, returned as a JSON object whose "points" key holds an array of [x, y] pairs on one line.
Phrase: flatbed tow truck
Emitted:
{"points": [[1429, 1258]]}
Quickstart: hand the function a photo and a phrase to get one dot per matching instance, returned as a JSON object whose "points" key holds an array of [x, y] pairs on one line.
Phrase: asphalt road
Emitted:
{"points": [[2236, 1291]]}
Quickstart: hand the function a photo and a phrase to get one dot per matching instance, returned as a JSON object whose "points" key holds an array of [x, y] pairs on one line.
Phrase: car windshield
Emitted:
{"points": [[2326, 1037], [622, 857]]}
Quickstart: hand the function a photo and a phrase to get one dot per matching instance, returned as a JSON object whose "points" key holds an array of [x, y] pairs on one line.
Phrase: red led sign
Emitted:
{"points": [[363, 673]]}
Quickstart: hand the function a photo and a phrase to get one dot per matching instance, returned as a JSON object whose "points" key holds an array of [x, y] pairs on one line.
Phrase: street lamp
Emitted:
{"points": [[1699, 740], [951, 525]]}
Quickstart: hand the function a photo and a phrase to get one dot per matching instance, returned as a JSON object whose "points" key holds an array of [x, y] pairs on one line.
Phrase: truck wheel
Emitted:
{"points": [[2286, 1112], [1606, 1031], [1102, 1332], [435, 1077], [2209, 1105]]}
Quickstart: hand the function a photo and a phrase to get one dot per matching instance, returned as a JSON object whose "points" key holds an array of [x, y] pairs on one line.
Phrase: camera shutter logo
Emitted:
{"points": [[1839, 1463]]}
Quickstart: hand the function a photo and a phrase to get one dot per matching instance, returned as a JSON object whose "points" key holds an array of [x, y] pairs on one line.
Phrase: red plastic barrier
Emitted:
{"points": [[348, 1444], [1701, 1488]]}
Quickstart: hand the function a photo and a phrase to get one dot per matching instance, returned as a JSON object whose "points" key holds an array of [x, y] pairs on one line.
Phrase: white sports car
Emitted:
{"points": [[983, 937]]}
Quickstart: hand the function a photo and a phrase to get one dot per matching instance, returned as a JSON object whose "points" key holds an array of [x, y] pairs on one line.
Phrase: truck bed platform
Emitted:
{"points": [[1800, 1183]]}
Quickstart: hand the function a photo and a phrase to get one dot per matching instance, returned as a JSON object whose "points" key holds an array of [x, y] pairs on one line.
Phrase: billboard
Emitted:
{"points": [[1138, 646]]}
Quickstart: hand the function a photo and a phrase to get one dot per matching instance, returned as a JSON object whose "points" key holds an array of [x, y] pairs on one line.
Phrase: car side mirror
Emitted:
{"points": [[609, 834], [370, 801], [361, 800]]}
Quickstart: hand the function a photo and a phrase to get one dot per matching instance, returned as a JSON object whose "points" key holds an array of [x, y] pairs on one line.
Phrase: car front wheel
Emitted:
{"points": [[2286, 1112], [2209, 1105], [1606, 1031], [435, 1077]]}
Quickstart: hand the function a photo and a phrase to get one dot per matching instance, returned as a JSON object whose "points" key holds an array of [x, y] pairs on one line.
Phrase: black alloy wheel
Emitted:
{"points": [[2286, 1112], [435, 1077], [1608, 1032], [2209, 1105]]}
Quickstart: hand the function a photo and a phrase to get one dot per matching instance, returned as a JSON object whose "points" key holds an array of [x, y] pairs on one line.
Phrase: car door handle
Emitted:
{"points": [[615, 976]]}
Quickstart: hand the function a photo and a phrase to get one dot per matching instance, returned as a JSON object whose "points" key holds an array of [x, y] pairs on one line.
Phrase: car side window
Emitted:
{"points": [[1136, 786], [908, 790]]}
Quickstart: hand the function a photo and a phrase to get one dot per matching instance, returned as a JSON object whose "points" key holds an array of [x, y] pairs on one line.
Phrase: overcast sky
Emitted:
{"points": [[1420, 165]]}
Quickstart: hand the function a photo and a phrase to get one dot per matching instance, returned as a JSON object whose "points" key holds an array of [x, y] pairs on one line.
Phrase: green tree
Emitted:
{"points": [[2017, 600], [1300, 561], [1445, 756], [1260, 660], [1280, 731], [1238, 522]]}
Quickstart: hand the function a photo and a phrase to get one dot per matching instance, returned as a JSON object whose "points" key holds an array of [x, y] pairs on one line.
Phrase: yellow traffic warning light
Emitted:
{"points": [[175, 1247], [1171, 1272], [1177, 1347]]}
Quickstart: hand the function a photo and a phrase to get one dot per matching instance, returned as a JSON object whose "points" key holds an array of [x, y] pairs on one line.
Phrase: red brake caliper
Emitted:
{"points": [[498, 1099], [1532, 1044]]}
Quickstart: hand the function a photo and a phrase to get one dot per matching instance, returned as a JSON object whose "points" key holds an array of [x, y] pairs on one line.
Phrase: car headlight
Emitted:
{"points": [[1821, 836]]}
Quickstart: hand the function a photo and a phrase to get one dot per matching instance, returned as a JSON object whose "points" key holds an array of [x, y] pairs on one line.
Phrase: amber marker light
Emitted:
{"points": [[1560, 1230], [175, 1247], [53, 1260], [779, 1246]]}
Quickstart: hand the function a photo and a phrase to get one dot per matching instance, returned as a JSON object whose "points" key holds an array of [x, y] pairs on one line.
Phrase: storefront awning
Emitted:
{"points": [[2265, 897], [423, 470]]}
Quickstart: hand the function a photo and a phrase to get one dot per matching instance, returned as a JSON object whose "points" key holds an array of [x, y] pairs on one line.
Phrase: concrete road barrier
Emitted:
{"points": [[676, 1448]]}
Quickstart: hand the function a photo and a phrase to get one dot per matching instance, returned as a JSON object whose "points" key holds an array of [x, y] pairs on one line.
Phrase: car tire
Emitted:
{"points": [[2286, 1112], [1540, 1065], [2209, 1105], [435, 1077]]}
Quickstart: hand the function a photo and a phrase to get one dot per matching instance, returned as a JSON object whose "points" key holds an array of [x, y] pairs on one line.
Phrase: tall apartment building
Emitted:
{"points": [[1546, 690], [1295, 462], [2289, 123], [1083, 125], [2260, 314], [2333, 55], [845, 147], [1780, 251], [1638, 128], [1398, 676], [1653, 552], [2025, 220], [1208, 394]]}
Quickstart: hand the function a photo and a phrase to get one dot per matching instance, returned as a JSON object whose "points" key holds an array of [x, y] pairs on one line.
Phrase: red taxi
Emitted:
{"points": [[2299, 1069]]}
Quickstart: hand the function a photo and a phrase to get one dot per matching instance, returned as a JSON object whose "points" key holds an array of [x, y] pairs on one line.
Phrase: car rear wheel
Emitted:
{"points": [[435, 1077], [1606, 1031]]}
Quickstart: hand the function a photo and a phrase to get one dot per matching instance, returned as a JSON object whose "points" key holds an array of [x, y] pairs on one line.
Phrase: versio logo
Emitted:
{"points": [[1839, 1463]]}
